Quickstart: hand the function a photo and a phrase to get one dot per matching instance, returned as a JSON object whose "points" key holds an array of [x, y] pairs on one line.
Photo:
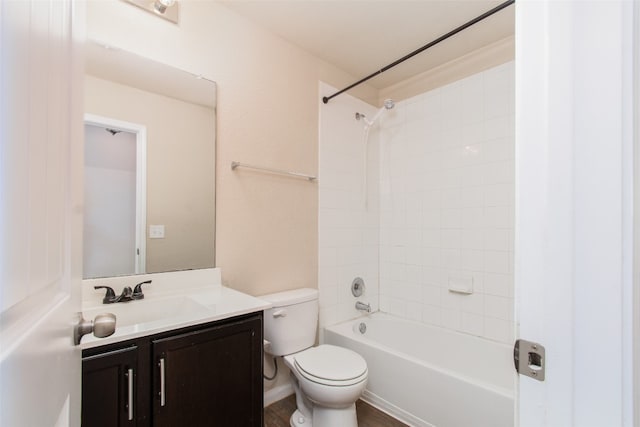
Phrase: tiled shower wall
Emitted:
{"points": [[348, 223], [447, 206], [439, 209]]}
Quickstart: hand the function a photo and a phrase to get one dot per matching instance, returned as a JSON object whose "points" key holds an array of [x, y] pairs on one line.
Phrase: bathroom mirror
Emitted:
{"points": [[149, 199]]}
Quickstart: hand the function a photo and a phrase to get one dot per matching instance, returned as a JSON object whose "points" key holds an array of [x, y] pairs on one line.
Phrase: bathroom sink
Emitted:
{"points": [[146, 311]]}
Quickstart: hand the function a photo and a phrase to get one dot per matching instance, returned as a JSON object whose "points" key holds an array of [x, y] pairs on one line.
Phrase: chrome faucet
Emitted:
{"points": [[363, 307], [126, 295]]}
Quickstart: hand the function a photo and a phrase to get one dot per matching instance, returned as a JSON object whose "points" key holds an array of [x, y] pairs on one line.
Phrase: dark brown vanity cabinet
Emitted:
{"points": [[206, 375], [109, 392]]}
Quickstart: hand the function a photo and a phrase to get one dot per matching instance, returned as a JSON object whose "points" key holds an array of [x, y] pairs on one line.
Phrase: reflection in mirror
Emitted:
{"points": [[149, 166]]}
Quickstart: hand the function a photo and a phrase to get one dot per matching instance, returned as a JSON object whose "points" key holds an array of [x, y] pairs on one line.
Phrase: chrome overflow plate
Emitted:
{"points": [[357, 287]]}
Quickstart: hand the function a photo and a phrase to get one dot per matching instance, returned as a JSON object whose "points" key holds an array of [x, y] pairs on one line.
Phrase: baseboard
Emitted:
{"points": [[277, 393], [392, 410]]}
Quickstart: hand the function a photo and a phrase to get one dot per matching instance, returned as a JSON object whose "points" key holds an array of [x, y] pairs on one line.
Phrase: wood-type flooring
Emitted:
{"points": [[278, 414]]}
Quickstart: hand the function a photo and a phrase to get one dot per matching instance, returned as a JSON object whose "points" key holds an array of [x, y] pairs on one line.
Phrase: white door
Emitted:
{"points": [[40, 212], [574, 140]]}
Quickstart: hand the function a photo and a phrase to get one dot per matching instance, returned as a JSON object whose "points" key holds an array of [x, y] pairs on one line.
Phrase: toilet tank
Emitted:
{"points": [[291, 324]]}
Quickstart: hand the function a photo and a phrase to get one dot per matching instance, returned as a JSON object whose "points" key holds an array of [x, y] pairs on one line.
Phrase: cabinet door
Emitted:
{"points": [[108, 388], [211, 377]]}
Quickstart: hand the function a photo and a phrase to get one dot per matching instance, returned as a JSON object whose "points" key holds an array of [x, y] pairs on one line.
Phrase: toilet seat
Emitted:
{"points": [[331, 365]]}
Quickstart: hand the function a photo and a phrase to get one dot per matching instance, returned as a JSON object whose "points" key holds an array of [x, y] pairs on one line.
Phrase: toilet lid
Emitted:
{"points": [[332, 363]]}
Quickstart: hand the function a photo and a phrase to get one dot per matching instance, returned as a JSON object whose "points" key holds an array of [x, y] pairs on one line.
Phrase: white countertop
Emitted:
{"points": [[172, 301]]}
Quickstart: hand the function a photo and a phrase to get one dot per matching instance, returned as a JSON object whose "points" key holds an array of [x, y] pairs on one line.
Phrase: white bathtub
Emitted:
{"points": [[430, 376]]}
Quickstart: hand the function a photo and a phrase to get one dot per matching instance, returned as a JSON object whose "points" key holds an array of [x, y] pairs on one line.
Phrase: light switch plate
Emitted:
{"points": [[156, 231]]}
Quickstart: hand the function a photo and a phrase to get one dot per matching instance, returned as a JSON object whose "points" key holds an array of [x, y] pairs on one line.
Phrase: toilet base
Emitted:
{"points": [[299, 420], [326, 417]]}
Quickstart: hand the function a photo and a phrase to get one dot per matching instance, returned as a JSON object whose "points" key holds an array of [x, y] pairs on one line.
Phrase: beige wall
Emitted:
{"points": [[180, 150], [267, 115]]}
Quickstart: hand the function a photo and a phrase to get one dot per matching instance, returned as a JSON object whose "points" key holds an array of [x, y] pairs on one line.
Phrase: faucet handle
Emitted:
{"points": [[137, 291], [109, 296]]}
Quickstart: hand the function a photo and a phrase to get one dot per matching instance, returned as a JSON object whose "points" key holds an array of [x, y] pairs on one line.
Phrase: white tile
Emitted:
{"points": [[496, 150], [472, 133], [451, 319], [472, 323], [349, 255], [497, 216], [450, 239], [432, 276], [414, 255], [398, 271], [472, 218], [472, 197], [497, 195], [431, 237], [431, 218], [450, 259], [451, 218], [498, 172], [450, 178], [384, 303], [327, 257], [412, 292], [385, 270], [450, 300], [412, 237], [398, 254], [472, 175], [329, 316], [496, 262], [497, 127], [472, 154], [451, 138], [414, 311], [431, 257], [450, 198], [397, 307], [414, 274], [471, 259], [497, 284], [497, 239], [327, 276], [472, 239], [328, 296], [498, 330], [431, 199], [498, 307], [432, 315], [473, 303], [431, 295]]}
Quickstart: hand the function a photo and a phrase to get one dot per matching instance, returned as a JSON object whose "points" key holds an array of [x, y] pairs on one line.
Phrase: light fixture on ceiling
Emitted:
{"points": [[167, 9], [160, 6]]}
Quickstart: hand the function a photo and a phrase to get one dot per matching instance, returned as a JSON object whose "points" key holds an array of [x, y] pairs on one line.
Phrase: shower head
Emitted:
{"points": [[388, 105]]}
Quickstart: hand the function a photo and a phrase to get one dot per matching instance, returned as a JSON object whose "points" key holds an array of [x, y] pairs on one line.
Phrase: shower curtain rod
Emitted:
{"points": [[425, 47]]}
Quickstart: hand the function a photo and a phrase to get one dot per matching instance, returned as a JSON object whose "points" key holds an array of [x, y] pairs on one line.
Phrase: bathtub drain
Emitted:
{"points": [[362, 327]]}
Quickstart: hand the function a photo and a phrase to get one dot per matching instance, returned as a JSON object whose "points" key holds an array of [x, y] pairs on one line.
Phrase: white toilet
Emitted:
{"points": [[327, 379]]}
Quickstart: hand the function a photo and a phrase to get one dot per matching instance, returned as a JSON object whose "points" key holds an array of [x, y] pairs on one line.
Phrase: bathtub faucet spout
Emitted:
{"points": [[363, 307]]}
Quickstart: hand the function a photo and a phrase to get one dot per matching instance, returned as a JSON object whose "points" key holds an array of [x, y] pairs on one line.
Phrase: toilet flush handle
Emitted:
{"points": [[280, 313]]}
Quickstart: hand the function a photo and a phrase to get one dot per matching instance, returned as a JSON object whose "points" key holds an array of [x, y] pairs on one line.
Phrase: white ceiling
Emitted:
{"points": [[363, 36]]}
